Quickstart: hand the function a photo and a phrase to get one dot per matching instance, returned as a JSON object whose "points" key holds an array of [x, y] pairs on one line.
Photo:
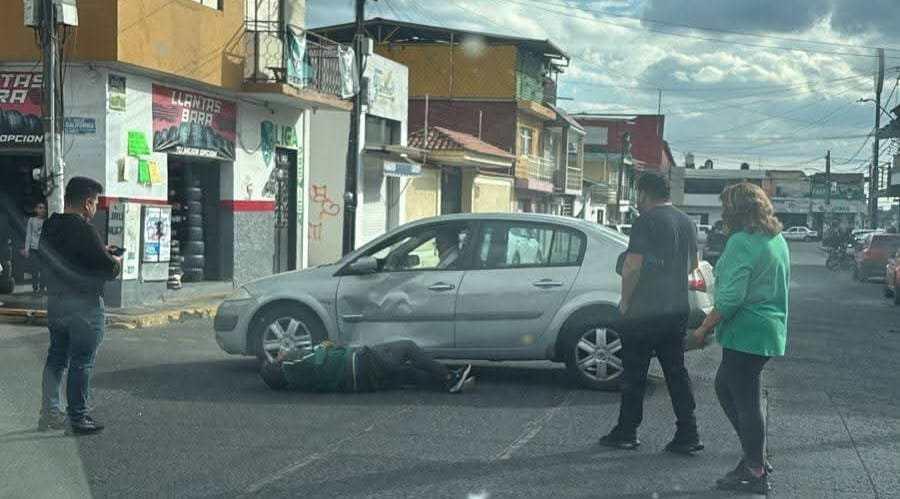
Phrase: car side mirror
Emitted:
{"points": [[364, 266]]}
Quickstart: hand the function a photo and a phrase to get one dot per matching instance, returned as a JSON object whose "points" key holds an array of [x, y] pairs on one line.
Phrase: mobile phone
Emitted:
{"points": [[118, 251]]}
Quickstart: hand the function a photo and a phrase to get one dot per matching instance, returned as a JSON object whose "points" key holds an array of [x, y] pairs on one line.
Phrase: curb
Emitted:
{"points": [[162, 318]]}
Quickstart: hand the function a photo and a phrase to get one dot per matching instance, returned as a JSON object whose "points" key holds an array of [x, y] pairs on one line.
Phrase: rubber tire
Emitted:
{"points": [[190, 234], [192, 275], [7, 285], [833, 263], [194, 261], [193, 220], [193, 194], [569, 337], [269, 314], [194, 208], [176, 260], [193, 248]]}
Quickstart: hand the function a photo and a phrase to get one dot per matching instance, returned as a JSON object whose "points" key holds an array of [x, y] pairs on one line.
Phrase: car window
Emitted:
{"points": [[434, 247], [506, 245]]}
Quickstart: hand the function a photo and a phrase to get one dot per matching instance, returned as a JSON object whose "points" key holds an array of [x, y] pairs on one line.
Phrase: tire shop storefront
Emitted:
{"points": [[21, 155]]}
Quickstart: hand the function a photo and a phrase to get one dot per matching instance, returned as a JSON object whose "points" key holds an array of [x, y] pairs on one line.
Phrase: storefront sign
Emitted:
{"points": [[273, 135], [80, 126], [387, 92], [124, 230], [20, 110], [117, 100], [193, 124], [157, 242], [395, 169], [838, 206], [790, 205]]}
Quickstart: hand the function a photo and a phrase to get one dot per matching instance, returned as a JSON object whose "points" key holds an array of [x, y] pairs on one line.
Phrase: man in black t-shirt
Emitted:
{"points": [[661, 253]]}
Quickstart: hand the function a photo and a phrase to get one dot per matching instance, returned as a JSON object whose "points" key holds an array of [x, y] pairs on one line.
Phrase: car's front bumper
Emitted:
{"points": [[232, 324]]}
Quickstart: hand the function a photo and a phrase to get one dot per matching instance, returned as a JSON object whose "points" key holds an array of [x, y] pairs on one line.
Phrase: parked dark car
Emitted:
{"points": [[873, 256]]}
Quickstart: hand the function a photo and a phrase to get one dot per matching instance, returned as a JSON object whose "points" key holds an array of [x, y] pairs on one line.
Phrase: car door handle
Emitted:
{"points": [[442, 286], [352, 317], [547, 283]]}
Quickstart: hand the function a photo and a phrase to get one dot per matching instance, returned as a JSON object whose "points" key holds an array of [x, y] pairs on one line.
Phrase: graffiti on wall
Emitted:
{"points": [[325, 210]]}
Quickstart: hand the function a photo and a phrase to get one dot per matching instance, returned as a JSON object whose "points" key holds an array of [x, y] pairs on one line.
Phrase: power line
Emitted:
{"points": [[714, 30], [682, 35]]}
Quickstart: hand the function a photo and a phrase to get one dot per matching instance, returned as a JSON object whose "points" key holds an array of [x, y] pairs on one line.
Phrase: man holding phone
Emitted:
{"points": [[78, 264]]}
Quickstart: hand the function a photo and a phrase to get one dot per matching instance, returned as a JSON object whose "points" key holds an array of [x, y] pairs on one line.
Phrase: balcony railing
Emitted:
{"points": [[291, 55], [539, 168], [574, 178]]}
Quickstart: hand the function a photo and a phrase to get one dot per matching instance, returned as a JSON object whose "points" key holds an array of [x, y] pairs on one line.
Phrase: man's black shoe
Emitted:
{"points": [[743, 480], [617, 441], [687, 447], [84, 426], [51, 421], [740, 469]]}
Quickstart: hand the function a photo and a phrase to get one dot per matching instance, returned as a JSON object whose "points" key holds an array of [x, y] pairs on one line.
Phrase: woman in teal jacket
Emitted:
{"points": [[750, 322]]}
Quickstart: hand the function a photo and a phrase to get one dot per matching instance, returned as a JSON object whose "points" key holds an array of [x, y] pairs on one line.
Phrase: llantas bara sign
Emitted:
{"points": [[193, 124], [20, 110]]}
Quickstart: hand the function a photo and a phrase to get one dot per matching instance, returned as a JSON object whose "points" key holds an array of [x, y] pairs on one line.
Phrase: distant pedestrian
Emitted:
{"points": [[331, 368], [32, 250], [661, 253], [750, 320], [77, 264]]}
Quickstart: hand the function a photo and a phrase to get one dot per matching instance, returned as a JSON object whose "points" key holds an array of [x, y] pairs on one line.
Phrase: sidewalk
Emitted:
{"points": [[200, 300]]}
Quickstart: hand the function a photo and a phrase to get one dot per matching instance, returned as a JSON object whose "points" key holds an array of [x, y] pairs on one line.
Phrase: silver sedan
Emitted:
{"points": [[452, 285]]}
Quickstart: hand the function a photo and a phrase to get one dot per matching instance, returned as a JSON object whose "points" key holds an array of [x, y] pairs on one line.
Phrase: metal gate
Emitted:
{"points": [[285, 257]]}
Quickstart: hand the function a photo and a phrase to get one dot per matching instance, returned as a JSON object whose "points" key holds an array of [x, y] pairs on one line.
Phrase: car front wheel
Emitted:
{"points": [[285, 328], [593, 356]]}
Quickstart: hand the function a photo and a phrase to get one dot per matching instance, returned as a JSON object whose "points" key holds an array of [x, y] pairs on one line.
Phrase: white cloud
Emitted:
{"points": [[709, 87]]}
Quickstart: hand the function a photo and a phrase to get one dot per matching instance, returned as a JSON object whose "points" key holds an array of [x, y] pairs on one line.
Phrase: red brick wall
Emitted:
{"points": [[647, 132], [498, 121]]}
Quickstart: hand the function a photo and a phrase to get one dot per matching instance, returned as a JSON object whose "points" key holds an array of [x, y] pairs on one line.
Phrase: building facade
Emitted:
{"points": [[702, 188], [498, 89], [617, 148], [200, 137]]}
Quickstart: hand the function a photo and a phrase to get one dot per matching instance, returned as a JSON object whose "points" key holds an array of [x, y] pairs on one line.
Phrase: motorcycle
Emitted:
{"points": [[838, 259]]}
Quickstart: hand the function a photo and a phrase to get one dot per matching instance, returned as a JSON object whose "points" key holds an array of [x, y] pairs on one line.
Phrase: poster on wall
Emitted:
{"points": [[117, 100], [157, 240], [20, 111], [193, 124], [123, 230]]}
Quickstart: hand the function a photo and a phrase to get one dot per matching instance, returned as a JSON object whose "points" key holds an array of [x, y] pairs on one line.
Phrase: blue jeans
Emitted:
{"points": [[76, 330]]}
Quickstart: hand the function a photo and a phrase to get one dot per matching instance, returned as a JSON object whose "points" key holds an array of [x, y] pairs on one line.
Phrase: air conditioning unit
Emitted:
{"points": [[66, 12]]}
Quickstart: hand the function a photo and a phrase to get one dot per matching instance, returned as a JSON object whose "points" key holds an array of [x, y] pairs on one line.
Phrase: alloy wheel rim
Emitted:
{"points": [[598, 354], [285, 334]]}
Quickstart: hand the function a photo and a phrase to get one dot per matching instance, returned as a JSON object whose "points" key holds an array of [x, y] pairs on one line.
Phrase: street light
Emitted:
{"points": [[885, 111]]}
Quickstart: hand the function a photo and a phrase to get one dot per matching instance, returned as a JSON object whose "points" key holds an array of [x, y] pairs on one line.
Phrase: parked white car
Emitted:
{"points": [[800, 233]]}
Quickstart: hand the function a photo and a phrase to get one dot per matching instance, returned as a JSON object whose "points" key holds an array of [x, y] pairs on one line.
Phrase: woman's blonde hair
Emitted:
{"points": [[746, 207]]}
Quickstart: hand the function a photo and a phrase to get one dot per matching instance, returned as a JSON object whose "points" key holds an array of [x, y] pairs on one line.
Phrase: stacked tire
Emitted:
{"points": [[192, 249], [188, 249]]}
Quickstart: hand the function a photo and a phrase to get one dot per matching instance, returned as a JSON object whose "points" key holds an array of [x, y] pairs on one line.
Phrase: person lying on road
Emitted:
{"points": [[331, 368]]}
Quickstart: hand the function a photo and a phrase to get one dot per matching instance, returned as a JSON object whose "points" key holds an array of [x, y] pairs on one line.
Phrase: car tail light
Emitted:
{"points": [[697, 283]]}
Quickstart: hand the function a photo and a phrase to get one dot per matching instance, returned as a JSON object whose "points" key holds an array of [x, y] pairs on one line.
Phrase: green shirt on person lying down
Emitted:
{"points": [[752, 284]]}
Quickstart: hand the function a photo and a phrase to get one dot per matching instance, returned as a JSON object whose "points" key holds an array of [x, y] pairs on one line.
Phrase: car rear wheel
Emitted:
{"points": [[896, 295], [286, 328], [593, 356]]}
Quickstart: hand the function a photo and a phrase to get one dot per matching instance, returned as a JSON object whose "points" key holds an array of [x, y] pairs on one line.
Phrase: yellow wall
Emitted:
{"points": [[492, 195], [489, 74], [422, 195], [184, 38], [94, 38], [179, 37]]}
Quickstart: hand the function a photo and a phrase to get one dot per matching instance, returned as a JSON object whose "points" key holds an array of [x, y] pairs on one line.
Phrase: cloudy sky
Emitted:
{"points": [[770, 82]]}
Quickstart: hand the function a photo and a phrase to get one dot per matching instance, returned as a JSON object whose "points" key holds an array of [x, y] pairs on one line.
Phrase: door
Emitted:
{"points": [[451, 190], [522, 273], [285, 210], [413, 293]]}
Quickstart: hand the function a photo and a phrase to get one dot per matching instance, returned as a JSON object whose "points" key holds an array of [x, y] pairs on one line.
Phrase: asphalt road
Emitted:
{"points": [[186, 420]]}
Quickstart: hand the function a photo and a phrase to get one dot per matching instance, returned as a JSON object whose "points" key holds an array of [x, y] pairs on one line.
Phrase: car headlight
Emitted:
{"points": [[240, 294]]}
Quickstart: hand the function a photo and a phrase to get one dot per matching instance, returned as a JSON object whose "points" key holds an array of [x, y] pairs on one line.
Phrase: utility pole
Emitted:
{"points": [[53, 164], [351, 193], [873, 174], [828, 182]]}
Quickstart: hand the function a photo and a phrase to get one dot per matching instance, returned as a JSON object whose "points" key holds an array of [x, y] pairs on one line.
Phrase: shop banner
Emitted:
{"points": [[124, 230], [117, 99], [157, 234], [20, 111], [193, 124]]}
